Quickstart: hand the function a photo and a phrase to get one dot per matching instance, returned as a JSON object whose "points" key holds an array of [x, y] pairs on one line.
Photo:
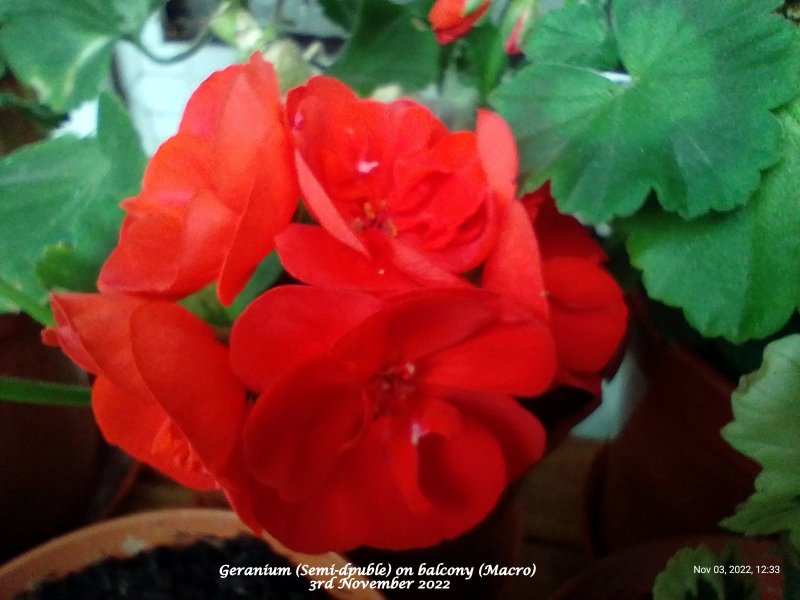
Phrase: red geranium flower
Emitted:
{"points": [[381, 423], [402, 202], [451, 19], [214, 195], [549, 263], [164, 391]]}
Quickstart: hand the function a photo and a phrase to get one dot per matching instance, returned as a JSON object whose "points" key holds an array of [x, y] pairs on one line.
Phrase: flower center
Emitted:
{"points": [[375, 218], [392, 389]]}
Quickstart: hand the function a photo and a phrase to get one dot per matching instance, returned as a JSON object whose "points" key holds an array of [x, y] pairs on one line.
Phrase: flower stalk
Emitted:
{"points": [[26, 391]]}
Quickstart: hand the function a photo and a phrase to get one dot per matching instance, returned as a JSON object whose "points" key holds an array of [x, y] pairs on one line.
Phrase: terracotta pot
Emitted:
{"points": [[55, 470], [630, 575], [125, 536], [669, 472]]}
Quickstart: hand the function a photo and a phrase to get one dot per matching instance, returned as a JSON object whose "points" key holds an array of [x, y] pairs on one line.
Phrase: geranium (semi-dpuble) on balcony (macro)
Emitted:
{"points": [[374, 400]]}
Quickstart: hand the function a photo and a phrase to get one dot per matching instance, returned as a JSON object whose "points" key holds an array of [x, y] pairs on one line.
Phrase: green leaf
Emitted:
{"points": [[59, 205], [264, 278], [62, 267], [737, 274], [689, 575], [205, 304], [579, 34], [691, 121], [62, 48], [487, 56], [390, 44], [766, 428]]}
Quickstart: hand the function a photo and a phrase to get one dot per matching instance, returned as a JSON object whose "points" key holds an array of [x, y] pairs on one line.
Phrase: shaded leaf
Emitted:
{"points": [[589, 44], [689, 575], [391, 43], [486, 51], [737, 274], [766, 428], [64, 193], [689, 118]]}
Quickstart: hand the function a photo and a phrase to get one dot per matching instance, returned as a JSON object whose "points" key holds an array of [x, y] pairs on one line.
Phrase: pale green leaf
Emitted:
{"points": [[62, 48], [59, 204], [693, 574], [766, 428]]}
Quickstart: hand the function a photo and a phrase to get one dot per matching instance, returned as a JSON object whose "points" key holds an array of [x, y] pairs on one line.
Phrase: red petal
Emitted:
{"points": [[323, 208], [290, 324], [463, 473], [142, 428], [514, 269], [313, 256], [361, 504], [421, 268], [194, 408], [66, 336], [588, 315], [269, 210], [98, 327], [518, 359], [299, 429], [214, 195], [560, 235], [498, 153], [519, 433], [449, 21], [187, 371], [416, 326]]}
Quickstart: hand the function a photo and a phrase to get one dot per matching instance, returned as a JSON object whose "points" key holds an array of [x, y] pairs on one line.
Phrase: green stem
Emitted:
{"points": [[43, 392], [197, 44], [27, 304]]}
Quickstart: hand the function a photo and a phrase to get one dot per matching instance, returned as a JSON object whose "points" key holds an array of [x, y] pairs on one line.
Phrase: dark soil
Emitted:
{"points": [[184, 573]]}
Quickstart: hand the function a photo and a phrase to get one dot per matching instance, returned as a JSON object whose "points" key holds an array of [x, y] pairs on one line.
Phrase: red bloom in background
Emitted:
{"points": [[214, 195], [384, 423], [182, 416], [402, 202], [549, 263], [523, 20], [452, 20]]}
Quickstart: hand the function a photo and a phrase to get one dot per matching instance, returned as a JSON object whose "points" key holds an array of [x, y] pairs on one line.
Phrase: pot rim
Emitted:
{"points": [[124, 536]]}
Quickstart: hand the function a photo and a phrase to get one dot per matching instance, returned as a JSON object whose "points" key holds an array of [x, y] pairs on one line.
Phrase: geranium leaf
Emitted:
{"points": [[62, 48], [487, 56], [59, 204], [389, 44], [690, 575], [689, 117], [590, 44], [766, 428], [737, 274]]}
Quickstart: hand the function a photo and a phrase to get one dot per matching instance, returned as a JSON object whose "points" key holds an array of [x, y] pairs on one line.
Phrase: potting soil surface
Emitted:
{"points": [[182, 573]]}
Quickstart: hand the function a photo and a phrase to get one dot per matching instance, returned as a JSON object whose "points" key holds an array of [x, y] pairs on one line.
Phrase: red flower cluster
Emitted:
{"points": [[377, 405]]}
